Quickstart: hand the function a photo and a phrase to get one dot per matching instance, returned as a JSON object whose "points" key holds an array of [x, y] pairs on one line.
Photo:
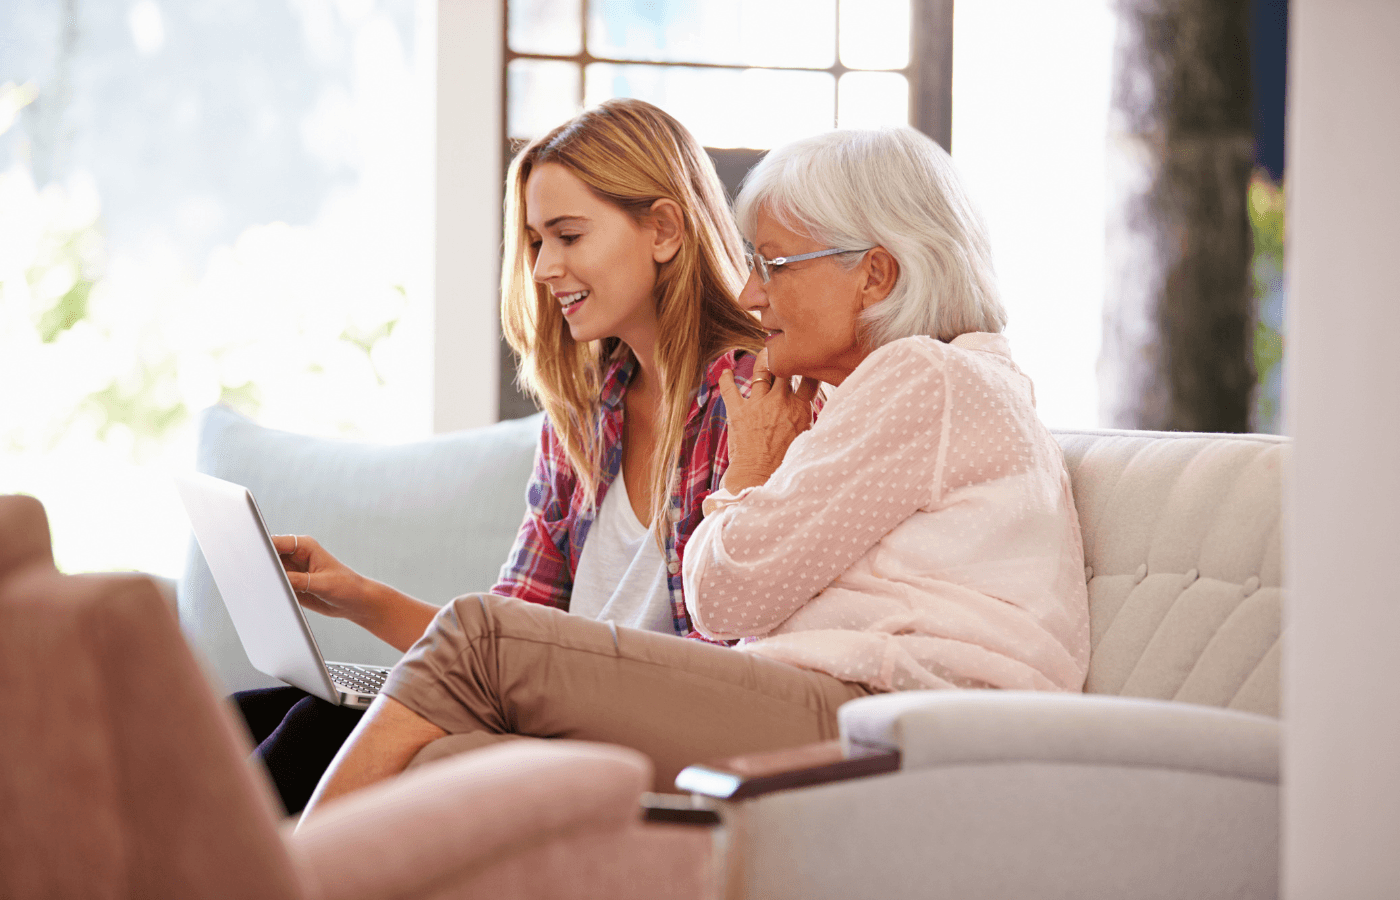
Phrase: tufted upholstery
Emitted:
{"points": [[1183, 553]]}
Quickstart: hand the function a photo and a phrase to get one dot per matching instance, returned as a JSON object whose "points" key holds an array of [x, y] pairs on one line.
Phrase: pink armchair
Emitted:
{"points": [[124, 776]]}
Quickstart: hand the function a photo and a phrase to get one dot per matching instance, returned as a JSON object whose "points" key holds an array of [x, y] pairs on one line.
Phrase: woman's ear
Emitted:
{"points": [[881, 272], [667, 222]]}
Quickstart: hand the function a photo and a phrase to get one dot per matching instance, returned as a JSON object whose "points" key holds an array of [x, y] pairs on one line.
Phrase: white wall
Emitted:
{"points": [[466, 347], [1342, 665]]}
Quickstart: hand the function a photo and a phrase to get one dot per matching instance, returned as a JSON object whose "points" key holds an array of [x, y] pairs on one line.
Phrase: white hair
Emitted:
{"points": [[897, 189]]}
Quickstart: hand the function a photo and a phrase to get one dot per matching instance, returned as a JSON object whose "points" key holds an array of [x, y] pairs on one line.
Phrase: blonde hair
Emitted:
{"points": [[897, 189], [631, 154]]}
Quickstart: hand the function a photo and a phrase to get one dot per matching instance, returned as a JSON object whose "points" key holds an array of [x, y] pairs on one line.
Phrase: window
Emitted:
{"points": [[203, 202], [738, 73], [1030, 114]]}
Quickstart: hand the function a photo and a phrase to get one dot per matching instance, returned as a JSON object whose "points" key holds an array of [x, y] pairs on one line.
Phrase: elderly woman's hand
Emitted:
{"points": [[762, 427]]}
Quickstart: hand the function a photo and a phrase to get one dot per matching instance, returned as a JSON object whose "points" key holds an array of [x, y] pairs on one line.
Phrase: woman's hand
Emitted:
{"points": [[322, 583], [326, 585], [762, 427]]}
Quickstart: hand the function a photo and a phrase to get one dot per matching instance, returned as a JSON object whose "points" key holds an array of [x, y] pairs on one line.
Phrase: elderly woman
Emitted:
{"points": [[921, 534]]}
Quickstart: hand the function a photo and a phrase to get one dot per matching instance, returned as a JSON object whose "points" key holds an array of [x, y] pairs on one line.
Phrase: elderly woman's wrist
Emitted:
{"points": [[737, 478]]}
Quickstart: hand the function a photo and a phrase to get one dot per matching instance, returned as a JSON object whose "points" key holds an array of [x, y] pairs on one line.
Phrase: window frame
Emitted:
{"points": [[928, 71]]}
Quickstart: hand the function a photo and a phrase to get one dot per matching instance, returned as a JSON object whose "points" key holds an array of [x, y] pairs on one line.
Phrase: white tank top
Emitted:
{"points": [[621, 577]]}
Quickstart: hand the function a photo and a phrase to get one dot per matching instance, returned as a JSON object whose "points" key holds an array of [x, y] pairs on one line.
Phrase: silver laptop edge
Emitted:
{"points": [[270, 622]]}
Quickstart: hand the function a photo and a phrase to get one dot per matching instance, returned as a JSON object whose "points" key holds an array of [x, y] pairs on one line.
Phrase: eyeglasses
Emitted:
{"points": [[765, 267]]}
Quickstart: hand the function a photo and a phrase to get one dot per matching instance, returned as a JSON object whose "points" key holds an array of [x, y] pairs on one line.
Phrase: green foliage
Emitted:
{"points": [[69, 310], [364, 339], [1268, 347], [1266, 218], [246, 398], [136, 403], [1266, 209]]}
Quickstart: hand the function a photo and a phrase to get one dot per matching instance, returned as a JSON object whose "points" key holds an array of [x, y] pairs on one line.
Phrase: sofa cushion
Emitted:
{"points": [[1184, 563], [434, 518]]}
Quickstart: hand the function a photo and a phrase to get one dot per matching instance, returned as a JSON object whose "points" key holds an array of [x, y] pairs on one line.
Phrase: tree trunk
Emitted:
{"points": [[1178, 311]]}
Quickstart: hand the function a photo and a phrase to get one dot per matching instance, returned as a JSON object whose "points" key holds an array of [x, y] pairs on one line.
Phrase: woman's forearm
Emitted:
{"points": [[393, 616]]}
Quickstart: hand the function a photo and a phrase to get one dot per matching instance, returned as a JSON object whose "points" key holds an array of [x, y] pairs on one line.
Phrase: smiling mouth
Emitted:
{"points": [[570, 302]]}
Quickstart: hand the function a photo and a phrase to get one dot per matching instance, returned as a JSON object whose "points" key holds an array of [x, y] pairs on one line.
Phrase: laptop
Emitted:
{"points": [[270, 622]]}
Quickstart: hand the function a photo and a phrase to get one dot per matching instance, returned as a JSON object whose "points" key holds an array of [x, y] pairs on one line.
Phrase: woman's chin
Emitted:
{"points": [[781, 371], [581, 335]]}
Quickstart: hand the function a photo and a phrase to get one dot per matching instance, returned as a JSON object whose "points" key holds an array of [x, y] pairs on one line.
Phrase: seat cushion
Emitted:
{"points": [[1184, 563], [434, 518]]}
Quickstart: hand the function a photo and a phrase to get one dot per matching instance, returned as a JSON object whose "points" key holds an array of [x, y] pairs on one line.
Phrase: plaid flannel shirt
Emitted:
{"points": [[548, 547]]}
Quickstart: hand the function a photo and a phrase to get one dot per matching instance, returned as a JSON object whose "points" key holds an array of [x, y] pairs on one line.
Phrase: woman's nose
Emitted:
{"points": [[753, 296], [546, 266]]}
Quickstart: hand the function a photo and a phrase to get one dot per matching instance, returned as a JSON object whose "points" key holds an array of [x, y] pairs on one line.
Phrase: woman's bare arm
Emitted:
{"points": [[325, 585], [380, 747]]}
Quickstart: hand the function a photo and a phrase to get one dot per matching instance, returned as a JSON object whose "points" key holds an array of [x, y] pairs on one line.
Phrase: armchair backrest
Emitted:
{"points": [[122, 775], [1182, 545]]}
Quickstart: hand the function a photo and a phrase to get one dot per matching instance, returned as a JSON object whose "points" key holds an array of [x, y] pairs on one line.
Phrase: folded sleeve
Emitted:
{"points": [[871, 461]]}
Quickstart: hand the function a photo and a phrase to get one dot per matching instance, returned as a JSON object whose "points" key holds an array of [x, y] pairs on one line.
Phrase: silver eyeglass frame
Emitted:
{"points": [[762, 265]]}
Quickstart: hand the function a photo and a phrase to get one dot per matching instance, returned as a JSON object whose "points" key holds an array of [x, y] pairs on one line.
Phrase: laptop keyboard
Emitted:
{"points": [[361, 679]]}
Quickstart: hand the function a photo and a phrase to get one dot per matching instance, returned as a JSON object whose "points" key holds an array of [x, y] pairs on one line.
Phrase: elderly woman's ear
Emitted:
{"points": [[881, 271]]}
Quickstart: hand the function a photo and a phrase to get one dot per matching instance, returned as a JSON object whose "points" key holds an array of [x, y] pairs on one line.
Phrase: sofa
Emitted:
{"points": [[1161, 781]]}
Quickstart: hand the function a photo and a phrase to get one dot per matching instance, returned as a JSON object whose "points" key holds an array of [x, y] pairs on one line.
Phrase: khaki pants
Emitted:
{"points": [[491, 668]]}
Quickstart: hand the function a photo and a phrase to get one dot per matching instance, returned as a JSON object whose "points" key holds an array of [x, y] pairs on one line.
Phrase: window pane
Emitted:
{"points": [[875, 34], [546, 26], [204, 201], [758, 108], [542, 93], [735, 32], [873, 100]]}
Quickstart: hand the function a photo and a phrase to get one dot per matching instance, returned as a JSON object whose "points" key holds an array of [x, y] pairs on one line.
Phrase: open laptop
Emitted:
{"points": [[260, 600]]}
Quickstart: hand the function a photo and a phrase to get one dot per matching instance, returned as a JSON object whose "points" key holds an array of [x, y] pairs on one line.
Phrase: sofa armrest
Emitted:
{"points": [[445, 823], [755, 774], [932, 728], [917, 729]]}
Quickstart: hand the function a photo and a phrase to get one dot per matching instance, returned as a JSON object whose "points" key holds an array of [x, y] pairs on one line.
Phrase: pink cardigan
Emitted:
{"points": [[921, 535]]}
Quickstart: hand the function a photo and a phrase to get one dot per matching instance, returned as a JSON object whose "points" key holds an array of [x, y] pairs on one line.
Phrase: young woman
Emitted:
{"points": [[622, 268]]}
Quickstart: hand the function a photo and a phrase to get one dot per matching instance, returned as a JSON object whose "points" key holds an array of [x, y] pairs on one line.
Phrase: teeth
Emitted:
{"points": [[571, 299]]}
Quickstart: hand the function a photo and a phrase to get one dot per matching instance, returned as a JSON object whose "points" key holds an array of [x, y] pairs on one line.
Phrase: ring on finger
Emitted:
{"points": [[296, 542]]}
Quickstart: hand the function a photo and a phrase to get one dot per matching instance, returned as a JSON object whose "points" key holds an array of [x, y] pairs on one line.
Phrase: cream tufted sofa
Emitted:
{"points": [[1160, 782]]}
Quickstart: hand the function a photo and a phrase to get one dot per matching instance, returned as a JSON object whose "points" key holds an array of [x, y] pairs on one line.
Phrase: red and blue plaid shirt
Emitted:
{"points": [[547, 549]]}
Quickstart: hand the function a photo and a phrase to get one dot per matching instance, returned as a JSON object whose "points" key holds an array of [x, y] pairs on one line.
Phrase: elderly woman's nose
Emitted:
{"points": [[752, 296]]}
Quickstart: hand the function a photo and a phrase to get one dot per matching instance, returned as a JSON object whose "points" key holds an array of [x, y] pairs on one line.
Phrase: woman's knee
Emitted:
{"points": [[469, 616], [489, 616]]}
